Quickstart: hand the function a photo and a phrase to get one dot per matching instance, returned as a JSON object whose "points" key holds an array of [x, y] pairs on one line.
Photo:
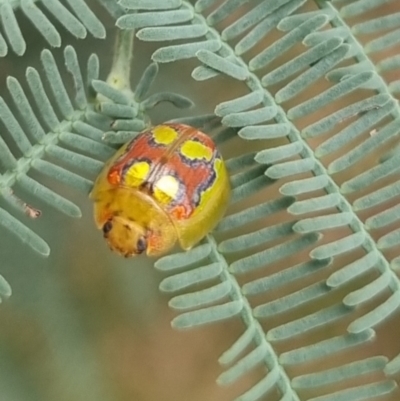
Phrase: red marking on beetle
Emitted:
{"points": [[179, 212], [114, 178]]}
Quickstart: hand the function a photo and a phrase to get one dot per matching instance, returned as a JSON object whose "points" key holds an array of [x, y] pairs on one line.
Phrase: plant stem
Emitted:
{"points": [[119, 76]]}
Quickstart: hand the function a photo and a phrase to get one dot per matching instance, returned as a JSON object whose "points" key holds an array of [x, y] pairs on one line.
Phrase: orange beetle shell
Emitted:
{"points": [[167, 184]]}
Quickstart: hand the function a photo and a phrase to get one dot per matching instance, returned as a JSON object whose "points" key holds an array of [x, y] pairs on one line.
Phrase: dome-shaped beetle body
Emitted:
{"points": [[169, 183]]}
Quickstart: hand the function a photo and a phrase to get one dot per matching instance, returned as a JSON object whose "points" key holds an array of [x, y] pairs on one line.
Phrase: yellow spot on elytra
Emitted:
{"points": [[218, 165], [137, 174], [166, 189], [196, 150], [164, 135]]}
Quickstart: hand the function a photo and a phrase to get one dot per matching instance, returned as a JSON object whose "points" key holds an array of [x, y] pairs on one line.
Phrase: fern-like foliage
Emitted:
{"points": [[306, 177], [39, 140], [311, 170], [79, 124], [5, 289], [75, 16]]}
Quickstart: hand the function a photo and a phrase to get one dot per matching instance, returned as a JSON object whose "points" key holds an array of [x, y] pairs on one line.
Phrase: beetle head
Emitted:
{"points": [[124, 236]]}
